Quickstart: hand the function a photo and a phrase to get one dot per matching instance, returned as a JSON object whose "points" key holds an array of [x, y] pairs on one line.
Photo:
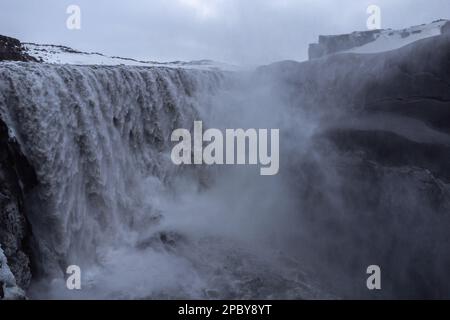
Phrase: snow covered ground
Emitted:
{"points": [[389, 39], [64, 55]]}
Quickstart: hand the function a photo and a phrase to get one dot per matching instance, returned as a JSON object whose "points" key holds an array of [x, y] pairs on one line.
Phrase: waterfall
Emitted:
{"points": [[92, 134], [111, 201]]}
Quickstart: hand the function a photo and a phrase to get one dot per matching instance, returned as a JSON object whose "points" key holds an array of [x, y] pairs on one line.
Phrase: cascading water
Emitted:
{"points": [[111, 201]]}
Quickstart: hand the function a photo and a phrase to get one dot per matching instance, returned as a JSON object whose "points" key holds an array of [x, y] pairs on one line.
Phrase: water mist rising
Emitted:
{"points": [[111, 201]]}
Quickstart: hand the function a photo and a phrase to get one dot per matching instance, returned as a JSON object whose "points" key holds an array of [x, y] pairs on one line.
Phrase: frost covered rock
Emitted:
{"points": [[8, 285], [374, 41], [16, 179], [338, 43]]}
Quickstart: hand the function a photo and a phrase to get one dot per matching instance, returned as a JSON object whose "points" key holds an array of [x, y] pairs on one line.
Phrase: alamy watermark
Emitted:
{"points": [[73, 281], [191, 150], [374, 280], [73, 22], [374, 20]]}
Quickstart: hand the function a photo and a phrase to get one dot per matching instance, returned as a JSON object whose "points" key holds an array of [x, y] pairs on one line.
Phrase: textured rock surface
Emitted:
{"points": [[332, 44], [12, 49], [16, 178], [8, 284], [375, 41], [446, 28], [375, 181]]}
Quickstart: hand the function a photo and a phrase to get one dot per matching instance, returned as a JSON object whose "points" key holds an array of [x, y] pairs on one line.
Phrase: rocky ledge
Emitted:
{"points": [[12, 49], [374, 41], [17, 178], [375, 181]]}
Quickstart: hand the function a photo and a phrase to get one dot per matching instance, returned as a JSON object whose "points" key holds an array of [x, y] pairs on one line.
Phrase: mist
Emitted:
{"points": [[207, 231]]}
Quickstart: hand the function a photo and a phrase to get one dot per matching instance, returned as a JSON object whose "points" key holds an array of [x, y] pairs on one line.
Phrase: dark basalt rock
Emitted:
{"points": [[412, 82], [392, 150], [11, 49], [17, 178], [374, 183]]}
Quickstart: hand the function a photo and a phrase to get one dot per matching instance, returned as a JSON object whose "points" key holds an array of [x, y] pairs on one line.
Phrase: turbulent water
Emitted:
{"points": [[111, 201]]}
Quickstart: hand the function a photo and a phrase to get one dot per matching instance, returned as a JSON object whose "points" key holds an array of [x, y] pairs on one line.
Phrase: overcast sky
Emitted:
{"points": [[234, 31]]}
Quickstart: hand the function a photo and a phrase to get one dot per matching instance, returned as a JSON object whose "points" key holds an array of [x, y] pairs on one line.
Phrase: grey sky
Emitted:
{"points": [[235, 31]]}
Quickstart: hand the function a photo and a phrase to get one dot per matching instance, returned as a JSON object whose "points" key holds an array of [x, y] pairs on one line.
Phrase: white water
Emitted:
{"points": [[111, 201]]}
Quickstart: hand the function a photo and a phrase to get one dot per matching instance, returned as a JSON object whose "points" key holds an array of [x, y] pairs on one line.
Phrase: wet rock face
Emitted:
{"points": [[17, 177], [11, 49], [375, 184]]}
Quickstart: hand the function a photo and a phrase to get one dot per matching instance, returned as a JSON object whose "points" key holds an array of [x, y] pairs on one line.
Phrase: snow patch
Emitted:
{"points": [[388, 40], [54, 54]]}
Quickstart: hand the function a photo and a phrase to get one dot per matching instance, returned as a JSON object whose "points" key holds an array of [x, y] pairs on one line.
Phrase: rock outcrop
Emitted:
{"points": [[12, 50], [17, 178], [375, 181], [375, 41], [446, 28], [331, 44]]}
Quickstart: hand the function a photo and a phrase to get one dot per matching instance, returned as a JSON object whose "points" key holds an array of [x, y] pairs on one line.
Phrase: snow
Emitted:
{"points": [[63, 55], [392, 39]]}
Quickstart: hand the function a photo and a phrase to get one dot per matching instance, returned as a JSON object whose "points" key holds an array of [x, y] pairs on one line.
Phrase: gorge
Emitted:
{"points": [[87, 180]]}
